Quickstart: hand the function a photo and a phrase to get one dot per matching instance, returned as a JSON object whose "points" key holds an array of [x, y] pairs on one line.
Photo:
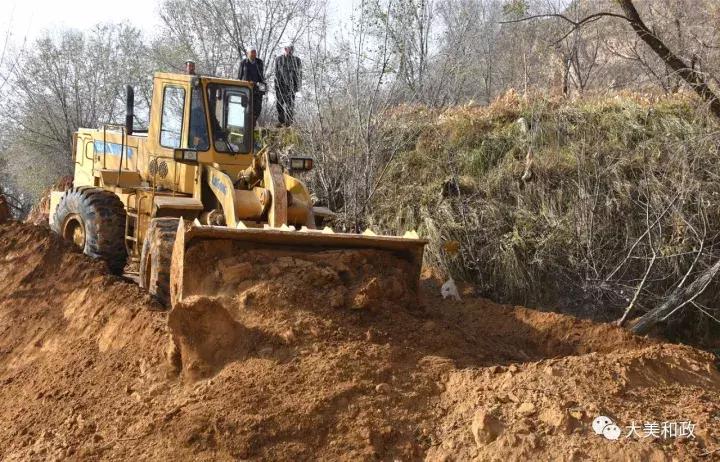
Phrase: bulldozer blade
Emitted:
{"points": [[198, 247]]}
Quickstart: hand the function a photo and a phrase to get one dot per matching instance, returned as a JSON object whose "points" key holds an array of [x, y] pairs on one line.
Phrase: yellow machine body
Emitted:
{"points": [[222, 187]]}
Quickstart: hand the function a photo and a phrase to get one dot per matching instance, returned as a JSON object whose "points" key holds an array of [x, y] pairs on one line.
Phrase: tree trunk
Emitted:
{"points": [[694, 79], [679, 298]]}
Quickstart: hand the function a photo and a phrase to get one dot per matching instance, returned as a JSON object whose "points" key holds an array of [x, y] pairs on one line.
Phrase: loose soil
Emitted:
{"points": [[300, 361]]}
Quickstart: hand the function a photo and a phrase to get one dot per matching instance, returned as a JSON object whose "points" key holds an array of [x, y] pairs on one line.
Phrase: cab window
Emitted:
{"points": [[198, 136], [230, 118], [172, 117]]}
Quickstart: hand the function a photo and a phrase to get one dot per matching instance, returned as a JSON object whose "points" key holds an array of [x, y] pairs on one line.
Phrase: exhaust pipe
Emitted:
{"points": [[129, 107]]}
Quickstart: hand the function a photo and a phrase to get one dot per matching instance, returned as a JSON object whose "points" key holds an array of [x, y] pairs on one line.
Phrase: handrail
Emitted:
{"points": [[89, 142], [104, 147], [123, 138]]}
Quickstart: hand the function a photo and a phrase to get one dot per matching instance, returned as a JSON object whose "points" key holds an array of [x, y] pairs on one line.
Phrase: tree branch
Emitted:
{"points": [[692, 77], [678, 299], [575, 24]]}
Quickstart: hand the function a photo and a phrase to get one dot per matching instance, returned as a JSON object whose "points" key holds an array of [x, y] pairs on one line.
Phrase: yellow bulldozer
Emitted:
{"points": [[198, 176]]}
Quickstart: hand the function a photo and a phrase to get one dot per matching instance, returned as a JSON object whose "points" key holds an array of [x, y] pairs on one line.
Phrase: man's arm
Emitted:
{"points": [[277, 71], [241, 71], [261, 69]]}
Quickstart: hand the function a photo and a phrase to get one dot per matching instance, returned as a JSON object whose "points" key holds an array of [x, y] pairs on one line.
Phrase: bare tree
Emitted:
{"points": [[222, 30], [686, 70], [353, 91], [194, 35], [63, 82], [470, 56], [407, 25]]}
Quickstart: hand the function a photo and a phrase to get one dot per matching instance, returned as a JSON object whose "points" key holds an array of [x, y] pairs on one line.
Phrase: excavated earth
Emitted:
{"points": [[302, 362]]}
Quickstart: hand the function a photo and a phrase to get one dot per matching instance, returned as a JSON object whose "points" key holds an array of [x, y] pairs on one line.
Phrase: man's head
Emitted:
{"points": [[253, 54], [289, 50]]}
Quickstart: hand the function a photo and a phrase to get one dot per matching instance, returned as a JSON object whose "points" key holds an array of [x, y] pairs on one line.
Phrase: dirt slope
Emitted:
{"points": [[90, 372]]}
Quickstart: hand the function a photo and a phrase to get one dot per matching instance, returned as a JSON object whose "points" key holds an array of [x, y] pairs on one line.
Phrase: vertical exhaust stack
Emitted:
{"points": [[129, 108]]}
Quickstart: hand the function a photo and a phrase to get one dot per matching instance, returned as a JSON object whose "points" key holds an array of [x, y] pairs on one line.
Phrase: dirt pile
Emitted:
{"points": [[40, 212], [90, 371]]}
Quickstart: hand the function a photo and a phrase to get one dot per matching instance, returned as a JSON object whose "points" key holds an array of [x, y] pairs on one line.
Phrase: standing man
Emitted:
{"points": [[252, 69], [288, 76]]}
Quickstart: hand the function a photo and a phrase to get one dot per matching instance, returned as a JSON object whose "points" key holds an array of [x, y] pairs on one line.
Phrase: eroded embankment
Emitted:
{"points": [[279, 370]]}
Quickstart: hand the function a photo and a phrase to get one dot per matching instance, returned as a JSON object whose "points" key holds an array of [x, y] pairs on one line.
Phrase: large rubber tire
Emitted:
{"points": [[156, 257], [94, 219]]}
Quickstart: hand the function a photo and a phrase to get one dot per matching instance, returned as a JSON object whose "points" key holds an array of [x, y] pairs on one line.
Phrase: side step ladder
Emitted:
{"points": [[131, 237]]}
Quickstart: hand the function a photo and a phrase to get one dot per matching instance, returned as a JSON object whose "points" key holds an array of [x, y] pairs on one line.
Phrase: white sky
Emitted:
{"points": [[28, 18]]}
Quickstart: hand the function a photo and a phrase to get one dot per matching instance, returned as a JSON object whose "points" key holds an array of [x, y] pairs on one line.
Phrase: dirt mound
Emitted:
{"points": [[545, 409], [40, 212], [89, 371]]}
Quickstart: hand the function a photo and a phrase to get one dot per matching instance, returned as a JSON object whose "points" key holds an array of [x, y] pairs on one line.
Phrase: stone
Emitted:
{"points": [[551, 371], [372, 335], [289, 336], [556, 419], [526, 408], [383, 388], [486, 428], [576, 413]]}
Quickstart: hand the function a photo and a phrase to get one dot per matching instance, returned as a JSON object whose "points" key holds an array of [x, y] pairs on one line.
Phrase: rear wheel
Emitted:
{"points": [[156, 257], [94, 220]]}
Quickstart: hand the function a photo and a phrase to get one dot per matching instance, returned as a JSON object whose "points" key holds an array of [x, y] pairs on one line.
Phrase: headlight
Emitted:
{"points": [[301, 163], [185, 155]]}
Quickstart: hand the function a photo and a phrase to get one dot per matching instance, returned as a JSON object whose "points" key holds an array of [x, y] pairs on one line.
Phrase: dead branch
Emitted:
{"points": [[702, 246], [705, 310], [642, 236], [678, 299], [640, 286]]}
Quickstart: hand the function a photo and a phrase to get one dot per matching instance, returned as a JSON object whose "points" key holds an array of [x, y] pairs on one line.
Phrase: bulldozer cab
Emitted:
{"points": [[201, 120]]}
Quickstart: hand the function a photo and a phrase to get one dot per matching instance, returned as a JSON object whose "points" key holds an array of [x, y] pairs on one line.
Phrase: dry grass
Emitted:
{"points": [[604, 169]]}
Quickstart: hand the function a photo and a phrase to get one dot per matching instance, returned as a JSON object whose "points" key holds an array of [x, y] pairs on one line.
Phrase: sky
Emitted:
{"points": [[28, 18]]}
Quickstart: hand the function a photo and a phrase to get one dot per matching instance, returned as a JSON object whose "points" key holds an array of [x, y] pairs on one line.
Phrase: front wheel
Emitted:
{"points": [[156, 257]]}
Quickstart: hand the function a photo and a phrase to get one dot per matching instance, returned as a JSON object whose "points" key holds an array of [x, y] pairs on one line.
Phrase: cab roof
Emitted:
{"points": [[183, 77]]}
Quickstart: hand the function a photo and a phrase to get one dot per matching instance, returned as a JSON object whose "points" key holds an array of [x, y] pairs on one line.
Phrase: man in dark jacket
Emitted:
{"points": [[252, 69], [288, 77]]}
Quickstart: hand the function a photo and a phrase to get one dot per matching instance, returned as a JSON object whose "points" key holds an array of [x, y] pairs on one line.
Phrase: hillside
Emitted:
{"points": [[547, 202]]}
